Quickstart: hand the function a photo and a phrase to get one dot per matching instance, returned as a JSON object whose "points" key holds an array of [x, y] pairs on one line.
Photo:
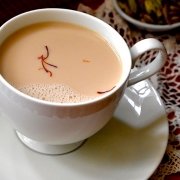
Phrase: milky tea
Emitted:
{"points": [[59, 62]]}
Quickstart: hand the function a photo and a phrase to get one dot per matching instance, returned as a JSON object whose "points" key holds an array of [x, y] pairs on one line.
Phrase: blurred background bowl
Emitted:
{"points": [[144, 25]]}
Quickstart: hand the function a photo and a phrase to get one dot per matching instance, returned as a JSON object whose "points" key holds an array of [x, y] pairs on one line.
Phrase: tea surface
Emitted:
{"points": [[59, 62]]}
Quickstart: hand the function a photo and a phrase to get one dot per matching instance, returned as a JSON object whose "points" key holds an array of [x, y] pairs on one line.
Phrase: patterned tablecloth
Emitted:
{"points": [[166, 81]]}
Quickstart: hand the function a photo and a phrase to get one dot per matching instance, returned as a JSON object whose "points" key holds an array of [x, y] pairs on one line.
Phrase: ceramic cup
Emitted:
{"points": [[55, 128]]}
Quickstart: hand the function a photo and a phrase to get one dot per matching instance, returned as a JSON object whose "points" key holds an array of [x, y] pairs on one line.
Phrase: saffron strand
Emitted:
{"points": [[43, 62], [102, 92]]}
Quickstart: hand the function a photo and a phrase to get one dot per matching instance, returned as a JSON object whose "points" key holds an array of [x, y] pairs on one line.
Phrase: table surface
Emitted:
{"points": [[166, 81]]}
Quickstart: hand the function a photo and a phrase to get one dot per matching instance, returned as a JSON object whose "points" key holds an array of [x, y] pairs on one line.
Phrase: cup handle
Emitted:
{"points": [[138, 49]]}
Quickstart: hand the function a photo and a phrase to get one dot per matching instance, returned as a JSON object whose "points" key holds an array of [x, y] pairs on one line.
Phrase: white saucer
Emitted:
{"points": [[124, 149]]}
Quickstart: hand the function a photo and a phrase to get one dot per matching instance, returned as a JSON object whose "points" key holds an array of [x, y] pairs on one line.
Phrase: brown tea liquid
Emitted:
{"points": [[59, 62]]}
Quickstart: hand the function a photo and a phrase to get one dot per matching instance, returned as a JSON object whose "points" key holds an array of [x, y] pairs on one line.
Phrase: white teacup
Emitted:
{"points": [[56, 128]]}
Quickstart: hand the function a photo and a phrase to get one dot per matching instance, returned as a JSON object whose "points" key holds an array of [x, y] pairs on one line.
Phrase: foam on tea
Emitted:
{"points": [[54, 93], [59, 62]]}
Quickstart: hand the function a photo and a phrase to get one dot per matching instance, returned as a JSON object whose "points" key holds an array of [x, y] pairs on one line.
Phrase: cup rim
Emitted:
{"points": [[88, 102]]}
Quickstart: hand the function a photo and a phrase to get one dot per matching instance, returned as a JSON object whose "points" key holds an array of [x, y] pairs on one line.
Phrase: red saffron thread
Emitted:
{"points": [[86, 60], [43, 61], [102, 92]]}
